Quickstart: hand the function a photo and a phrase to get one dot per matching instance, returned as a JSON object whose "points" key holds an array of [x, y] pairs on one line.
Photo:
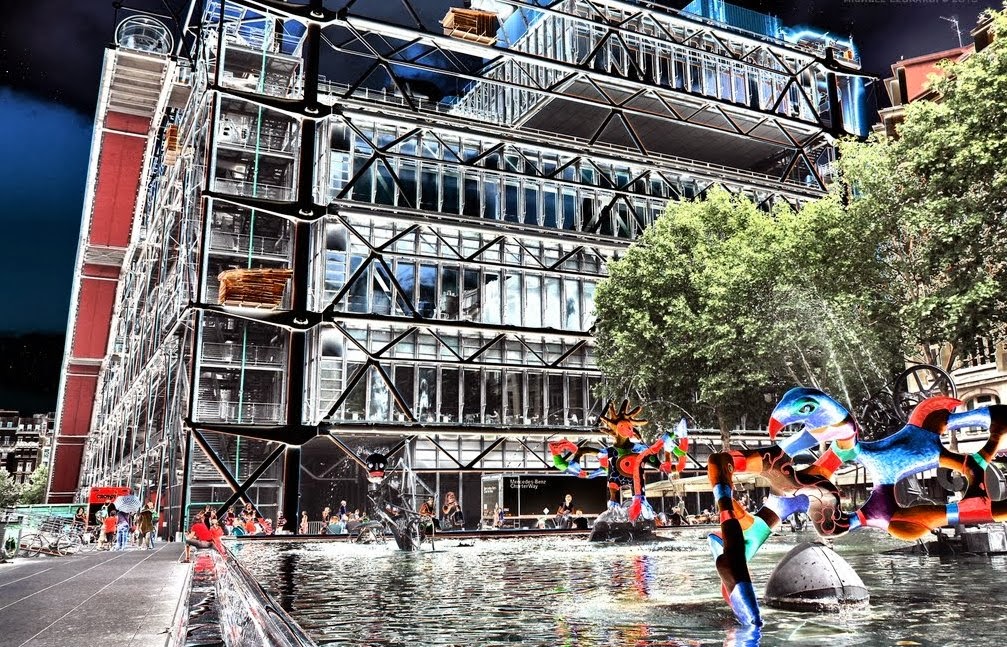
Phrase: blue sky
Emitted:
{"points": [[44, 167]]}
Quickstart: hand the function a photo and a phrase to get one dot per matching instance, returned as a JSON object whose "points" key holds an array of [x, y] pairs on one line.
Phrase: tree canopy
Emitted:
{"points": [[720, 306], [34, 490], [938, 194]]}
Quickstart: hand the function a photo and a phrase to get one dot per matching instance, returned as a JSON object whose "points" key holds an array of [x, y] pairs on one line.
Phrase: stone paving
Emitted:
{"points": [[109, 599]]}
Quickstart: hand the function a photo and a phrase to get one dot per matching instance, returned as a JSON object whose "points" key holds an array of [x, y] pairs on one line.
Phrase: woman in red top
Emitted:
{"points": [[199, 536]]}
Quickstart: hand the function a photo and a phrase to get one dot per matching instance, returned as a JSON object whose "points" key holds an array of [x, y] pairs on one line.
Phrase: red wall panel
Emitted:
{"points": [[115, 190], [94, 316]]}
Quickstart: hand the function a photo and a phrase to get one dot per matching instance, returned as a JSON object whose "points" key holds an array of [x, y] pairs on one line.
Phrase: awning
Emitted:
{"points": [[700, 484]]}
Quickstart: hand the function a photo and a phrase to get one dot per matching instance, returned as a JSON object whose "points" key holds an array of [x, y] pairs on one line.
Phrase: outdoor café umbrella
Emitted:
{"points": [[128, 503]]}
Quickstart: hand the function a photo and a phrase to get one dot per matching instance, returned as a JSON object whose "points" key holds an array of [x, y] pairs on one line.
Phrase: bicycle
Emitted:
{"points": [[49, 543]]}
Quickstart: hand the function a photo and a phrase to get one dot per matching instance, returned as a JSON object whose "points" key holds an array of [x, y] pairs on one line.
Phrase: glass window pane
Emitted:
{"points": [[588, 305], [379, 398], [550, 208], [428, 188], [358, 291], [427, 397], [428, 290], [572, 289], [449, 200], [533, 301], [385, 186], [531, 205], [511, 212], [404, 384], [364, 185], [354, 403], [514, 404], [557, 406], [575, 396], [491, 195], [472, 202], [472, 400], [553, 304], [449, 395], [381, 291], [491, 298], [472, 297], [407, 176], [536, 398], [405, 274], [449, 293], [494, 397], [512, 303], [569, 209]]}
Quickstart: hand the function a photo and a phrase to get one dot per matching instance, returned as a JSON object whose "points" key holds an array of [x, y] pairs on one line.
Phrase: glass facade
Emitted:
{"points": [[434, 257]]}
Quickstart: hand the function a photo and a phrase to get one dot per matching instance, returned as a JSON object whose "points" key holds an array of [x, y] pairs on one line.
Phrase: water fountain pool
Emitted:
{"points": [[565, 591]]}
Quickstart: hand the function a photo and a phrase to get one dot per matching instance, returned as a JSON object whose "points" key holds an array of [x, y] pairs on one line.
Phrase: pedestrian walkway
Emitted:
{"points": [[112, 599]]}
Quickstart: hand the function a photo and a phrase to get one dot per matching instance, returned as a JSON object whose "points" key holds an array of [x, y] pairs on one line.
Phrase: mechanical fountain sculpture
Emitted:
{"points": [[623, 461], [914, 448]]}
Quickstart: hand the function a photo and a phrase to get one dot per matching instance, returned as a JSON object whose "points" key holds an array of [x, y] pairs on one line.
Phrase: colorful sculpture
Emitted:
{"points": [[624, 460], [913, 449]]}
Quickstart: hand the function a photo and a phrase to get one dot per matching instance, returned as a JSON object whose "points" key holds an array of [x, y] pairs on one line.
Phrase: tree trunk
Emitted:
{"points": [[725, 433]]}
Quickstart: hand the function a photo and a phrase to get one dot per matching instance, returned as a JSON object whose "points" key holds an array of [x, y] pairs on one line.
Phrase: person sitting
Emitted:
{"points": [[563, 512], [199, 536], [216, 531], [336, 526], [428, 515], [452, 512]]}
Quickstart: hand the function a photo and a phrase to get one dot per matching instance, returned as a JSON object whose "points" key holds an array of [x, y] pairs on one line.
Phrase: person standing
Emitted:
{"points": [[303, 528], [122, 530], [108, 531], [145, 527]]}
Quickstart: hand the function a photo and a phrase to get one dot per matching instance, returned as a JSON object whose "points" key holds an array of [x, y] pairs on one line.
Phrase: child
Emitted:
{"points": [[108, 530]]}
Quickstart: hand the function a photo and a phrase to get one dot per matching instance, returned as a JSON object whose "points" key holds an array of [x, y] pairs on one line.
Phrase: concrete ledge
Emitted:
{"points": [[226, 606]]}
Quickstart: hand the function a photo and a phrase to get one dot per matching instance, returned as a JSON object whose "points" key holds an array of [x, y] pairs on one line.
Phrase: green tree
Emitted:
{"points": [[34, 491], [938, 194], [720, 304], [682, 316], [10, 492]]}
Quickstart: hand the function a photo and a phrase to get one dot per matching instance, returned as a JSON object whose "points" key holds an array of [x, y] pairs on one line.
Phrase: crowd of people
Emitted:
{"points": [[120, 529]]}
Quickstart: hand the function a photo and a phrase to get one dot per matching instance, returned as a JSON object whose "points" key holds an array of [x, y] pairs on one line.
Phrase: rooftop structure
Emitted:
{"points": [[384, 228]]}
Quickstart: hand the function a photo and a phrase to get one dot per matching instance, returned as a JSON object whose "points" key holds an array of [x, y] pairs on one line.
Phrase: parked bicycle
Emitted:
{"points": [[56, 536]]}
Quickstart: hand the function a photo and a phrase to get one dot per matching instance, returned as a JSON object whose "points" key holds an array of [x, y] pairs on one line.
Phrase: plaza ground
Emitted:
{"points": [[112, 599]]}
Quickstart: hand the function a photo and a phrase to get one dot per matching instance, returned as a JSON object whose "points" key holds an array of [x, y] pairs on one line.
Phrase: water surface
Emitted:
{"points": [[565, 591]]}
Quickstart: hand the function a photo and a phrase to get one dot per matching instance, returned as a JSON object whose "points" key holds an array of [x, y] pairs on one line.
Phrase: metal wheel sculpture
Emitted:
{"points": [[886, 411], [917, 383]]}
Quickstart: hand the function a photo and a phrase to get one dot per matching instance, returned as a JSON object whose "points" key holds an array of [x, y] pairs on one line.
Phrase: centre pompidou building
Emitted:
{"points": [[379, 227]]}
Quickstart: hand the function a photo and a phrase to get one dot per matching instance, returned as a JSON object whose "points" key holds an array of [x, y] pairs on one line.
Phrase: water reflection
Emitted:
{"points": [[565, 591]]}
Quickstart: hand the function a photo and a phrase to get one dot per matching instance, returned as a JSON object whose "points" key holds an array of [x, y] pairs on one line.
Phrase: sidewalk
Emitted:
{"points": [[112, 599]]}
